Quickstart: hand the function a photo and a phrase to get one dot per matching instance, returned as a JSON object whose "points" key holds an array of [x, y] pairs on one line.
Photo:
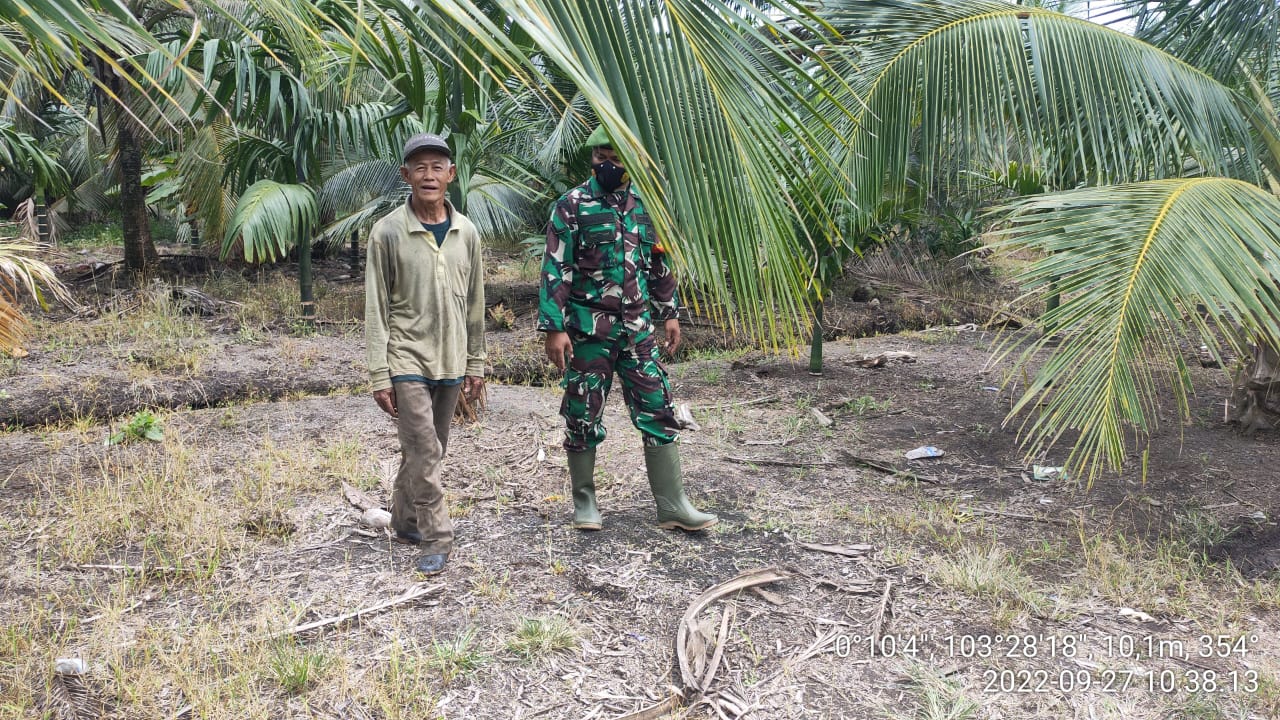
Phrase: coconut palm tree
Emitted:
{"points": [[22, 159], [986, 83], [1237, 43], [106, 52]]}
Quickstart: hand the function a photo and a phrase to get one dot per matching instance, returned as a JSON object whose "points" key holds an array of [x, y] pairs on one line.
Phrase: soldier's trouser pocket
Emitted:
{"points": [[648, 393], [586, 385]]}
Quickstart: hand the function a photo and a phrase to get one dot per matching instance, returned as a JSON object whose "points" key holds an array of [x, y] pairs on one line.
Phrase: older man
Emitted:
{"points": [[424, 327], [604, 276]]}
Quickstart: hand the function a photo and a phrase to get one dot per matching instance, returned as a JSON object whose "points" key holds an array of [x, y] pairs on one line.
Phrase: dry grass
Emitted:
{"points": [[992, 574]]}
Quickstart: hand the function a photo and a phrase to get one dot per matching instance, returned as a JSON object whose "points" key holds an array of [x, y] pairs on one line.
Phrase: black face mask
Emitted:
{"points": [[609, 176]]}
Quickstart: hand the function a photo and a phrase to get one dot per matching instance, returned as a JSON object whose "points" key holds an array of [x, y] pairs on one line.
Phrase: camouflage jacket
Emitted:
{"points": [[602, 265]]}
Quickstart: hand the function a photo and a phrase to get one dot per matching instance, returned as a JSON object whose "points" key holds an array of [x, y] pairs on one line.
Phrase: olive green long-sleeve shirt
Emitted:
{"points": [[424, 304]]}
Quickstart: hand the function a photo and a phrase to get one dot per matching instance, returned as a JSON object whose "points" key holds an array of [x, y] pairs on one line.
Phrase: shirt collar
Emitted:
{"points": [[598, 192], [413, 224]]}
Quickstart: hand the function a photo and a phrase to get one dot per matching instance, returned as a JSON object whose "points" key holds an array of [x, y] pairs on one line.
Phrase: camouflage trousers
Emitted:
{"points": [[645, 388]]}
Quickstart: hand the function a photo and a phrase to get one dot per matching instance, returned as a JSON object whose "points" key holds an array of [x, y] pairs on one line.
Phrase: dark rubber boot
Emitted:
{"points": [[431, 564]]}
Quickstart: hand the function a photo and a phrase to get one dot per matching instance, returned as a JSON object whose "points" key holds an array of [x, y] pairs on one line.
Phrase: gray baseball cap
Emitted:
{"points": [[425, 141]]}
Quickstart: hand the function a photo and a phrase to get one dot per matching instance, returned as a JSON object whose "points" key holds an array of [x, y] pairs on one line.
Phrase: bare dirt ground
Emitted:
{"points": [[954, 587]]}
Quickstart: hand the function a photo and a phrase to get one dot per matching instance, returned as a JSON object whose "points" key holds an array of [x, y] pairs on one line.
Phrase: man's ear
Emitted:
{"points": [[404, 173]]}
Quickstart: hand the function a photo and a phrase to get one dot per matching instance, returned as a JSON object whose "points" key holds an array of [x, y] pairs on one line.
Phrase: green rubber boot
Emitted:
{"points": [[582, 468], [674, 508]]}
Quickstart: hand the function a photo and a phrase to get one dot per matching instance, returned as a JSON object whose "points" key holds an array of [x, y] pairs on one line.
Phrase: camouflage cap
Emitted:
{"points": [[598, 137]]}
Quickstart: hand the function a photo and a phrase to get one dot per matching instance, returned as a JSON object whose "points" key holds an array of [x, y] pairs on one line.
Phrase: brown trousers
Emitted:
{"points": [[417, 502]]}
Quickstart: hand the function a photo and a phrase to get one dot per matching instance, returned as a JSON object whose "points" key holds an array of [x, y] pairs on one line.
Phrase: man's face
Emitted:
{"points": [[602, 153], [428, 174]]}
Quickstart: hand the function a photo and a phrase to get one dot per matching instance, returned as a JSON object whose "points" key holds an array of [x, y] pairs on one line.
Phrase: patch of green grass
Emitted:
{"points": [[94, 234], [939, 698], [1200, 529], [401, 686], [535, 637], [296, 668], [10, 366], [456, 657], [864, 404], [488, 585], [1166, 577], [715, 353], [762, 521], [157, 505]]}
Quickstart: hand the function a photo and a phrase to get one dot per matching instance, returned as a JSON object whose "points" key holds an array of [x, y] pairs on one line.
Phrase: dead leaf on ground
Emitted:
{"points": [[361, 499], [857, 550], [882, 359]]}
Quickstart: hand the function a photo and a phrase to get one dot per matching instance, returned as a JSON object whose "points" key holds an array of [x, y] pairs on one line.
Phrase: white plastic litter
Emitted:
{"points": [[376, 518], [1048, 472], [69, 666]]}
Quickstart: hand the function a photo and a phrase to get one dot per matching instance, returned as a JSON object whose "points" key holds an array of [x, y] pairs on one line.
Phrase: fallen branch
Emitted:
{"points": [[414, 592], [741, 403], [780, 463], [783, 441], [887, 469], [864, 587], [878, 624], [658, 710], [846, 550]]}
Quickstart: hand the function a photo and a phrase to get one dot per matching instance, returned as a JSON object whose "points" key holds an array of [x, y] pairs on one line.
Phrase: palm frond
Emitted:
{"points": [[354, 184], [1222, 37], [19, 271], [703, 100], [945, 79], [1132, 263], [203, 189], [270, 219], [359, 220], [22, 156], [504, 208]]}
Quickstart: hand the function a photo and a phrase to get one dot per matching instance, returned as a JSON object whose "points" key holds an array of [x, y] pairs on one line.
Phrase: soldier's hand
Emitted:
{"points": [[559, 349], [672, 328], [386, 400]]}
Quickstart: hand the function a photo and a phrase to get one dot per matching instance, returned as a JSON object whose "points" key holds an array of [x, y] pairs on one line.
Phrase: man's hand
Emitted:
{"points": [[559, 349], [386, 400], [672, 328], [472, 387]]}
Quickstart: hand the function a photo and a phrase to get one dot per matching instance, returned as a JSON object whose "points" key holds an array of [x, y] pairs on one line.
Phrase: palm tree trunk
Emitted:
{"points": [[42, 219], [815, 344], [304, 280], [139, 250], [1255, 404]]}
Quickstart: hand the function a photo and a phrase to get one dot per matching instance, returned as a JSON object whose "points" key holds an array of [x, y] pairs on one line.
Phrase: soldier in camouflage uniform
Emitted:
{"points": [[604, 277]]}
